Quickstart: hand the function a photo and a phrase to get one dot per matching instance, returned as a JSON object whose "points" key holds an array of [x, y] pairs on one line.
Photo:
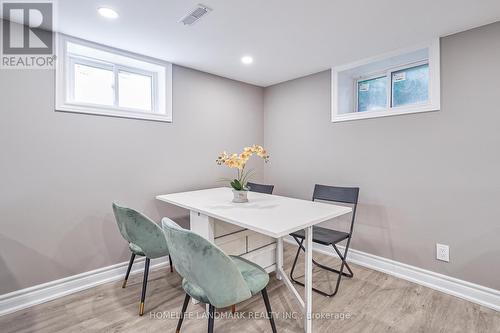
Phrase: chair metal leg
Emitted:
{"points": [[339, 272], [296, 258], [268, 308], [343, 258], [132, 257], [183, 312], [344, 263], [170, 262], [211, 318], [144, 284]]}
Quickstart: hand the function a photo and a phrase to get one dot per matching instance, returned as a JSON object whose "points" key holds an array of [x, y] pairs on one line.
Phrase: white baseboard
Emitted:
{"points": [[25, 298], [487, 297]]}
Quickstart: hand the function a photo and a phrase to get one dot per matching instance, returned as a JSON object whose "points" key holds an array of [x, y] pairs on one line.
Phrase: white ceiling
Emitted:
{"points": [[287, 38]]}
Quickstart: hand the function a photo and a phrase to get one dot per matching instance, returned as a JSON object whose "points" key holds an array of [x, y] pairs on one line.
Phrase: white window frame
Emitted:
{"points": [[161, 100], [434, 99]]}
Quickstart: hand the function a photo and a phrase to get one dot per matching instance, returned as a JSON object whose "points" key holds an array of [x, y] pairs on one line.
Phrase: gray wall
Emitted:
{"points": [[61, 171], [424, 178]]}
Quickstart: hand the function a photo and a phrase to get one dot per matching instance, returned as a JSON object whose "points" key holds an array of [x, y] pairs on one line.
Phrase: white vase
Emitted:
{"points": [[240, 196]]}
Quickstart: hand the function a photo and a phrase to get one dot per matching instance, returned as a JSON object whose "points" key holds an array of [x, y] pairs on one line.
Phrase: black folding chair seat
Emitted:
{"points": [[323, 236]]}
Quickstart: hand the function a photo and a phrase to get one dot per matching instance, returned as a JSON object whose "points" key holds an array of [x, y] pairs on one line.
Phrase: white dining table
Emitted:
{"points": [[272, 215]]}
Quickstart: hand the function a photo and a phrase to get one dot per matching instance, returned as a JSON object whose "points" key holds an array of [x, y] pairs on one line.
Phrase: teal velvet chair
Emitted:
{"points": [[212, 277], [145, 238]]}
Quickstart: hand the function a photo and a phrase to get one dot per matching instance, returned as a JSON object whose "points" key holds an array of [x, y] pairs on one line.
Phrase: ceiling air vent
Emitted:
{"points": [[195, 14]]}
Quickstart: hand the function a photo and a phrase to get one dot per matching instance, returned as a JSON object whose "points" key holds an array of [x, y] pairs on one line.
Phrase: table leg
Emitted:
{"points": [[279, 257], [308, 281], [203, 225]]}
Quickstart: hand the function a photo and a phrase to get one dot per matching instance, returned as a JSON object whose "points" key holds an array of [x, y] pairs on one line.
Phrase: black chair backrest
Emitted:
{"points": [[348, 195], [338, 194], [254, 187]]}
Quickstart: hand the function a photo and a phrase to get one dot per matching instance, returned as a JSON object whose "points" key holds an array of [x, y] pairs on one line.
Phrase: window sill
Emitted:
{"points": [[383, 113], [114, 113]]}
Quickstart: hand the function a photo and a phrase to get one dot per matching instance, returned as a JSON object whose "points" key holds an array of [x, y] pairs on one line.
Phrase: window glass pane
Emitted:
{"points": [[410, 86], [93, 85], [372, 94], [134, 91]]}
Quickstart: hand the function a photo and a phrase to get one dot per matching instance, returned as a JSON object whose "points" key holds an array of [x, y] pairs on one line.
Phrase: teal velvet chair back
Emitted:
{"points": [[205, 266], [141, 231], [120, 221]]}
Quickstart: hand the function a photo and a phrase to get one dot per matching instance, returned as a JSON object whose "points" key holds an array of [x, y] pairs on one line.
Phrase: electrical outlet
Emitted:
{"points": [[443, 252]]}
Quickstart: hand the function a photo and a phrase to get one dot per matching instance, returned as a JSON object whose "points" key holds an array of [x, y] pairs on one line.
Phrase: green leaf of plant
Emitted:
{"points": [[236, 185]]}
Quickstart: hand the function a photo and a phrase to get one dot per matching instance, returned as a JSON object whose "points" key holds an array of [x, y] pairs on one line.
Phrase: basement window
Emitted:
{"points": [[99, 80], [399, 83], [372, 94], [410, 86]]}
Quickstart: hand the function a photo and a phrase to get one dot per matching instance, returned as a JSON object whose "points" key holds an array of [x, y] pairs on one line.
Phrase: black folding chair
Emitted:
{"points": [[254, 187], [324, 236]]}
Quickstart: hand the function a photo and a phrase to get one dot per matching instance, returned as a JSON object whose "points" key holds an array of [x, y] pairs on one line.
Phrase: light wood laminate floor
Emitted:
{"points": [[369, 302]]}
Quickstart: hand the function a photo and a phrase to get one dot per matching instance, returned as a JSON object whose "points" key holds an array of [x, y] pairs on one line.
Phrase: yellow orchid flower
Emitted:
{"points": [[238, 161]]}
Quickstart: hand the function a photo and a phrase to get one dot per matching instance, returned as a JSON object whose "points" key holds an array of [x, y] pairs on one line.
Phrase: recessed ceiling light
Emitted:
{"points": [[247, 60], [107, 12]]}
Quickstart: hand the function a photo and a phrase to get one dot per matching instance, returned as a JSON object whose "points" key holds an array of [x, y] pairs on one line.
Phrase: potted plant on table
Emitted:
{"points": [[238, 161]]}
